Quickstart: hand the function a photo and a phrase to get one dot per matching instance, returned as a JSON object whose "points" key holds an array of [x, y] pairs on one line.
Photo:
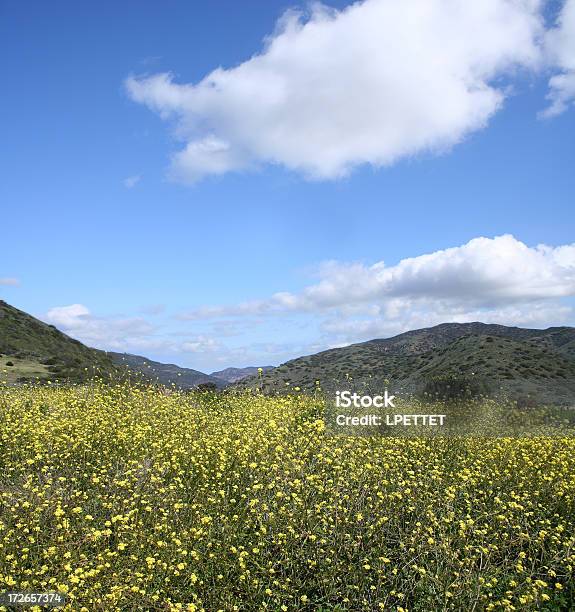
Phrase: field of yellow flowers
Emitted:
{"points": [[127, 498]]}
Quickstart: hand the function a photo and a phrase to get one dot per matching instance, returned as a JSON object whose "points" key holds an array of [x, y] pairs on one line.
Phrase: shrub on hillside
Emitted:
{"points": [[450, 388], [207, 387]]}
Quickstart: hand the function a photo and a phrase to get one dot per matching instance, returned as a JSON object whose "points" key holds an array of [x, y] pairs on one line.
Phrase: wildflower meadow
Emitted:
{"points": [[125, 497]]}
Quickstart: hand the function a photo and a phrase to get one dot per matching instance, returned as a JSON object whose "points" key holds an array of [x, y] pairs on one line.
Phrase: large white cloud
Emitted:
{"points": [[483, 273], [560, 46], [493, 280], [374, 83]]}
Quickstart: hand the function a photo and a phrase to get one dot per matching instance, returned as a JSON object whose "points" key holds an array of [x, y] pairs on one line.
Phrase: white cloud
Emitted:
{"points": [[492, 280], [374, 83], [483, 273], [131, 181], [111, 333], [9, 282], [129, 334], [68, 317], [407, 315], [201, 344], [560, 46]]}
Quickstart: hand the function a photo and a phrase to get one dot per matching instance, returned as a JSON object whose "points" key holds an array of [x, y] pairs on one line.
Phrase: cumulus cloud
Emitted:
{"points": [[9, 282], [483, 273], [493, 280], [371, 84], [560, 46]]}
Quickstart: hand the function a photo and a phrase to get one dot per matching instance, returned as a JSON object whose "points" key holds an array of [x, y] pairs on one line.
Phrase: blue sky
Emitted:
{"points": [[109, 239]]}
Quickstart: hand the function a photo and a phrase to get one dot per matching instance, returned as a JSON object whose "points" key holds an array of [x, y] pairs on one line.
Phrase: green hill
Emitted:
{"points": [[32, 349], [232, 375], [165, 373], [523, 363]]}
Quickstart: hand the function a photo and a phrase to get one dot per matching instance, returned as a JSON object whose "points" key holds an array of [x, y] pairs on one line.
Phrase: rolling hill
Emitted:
{"points": [[521, 362], [165, 373], [31, 349], [233, 375]]}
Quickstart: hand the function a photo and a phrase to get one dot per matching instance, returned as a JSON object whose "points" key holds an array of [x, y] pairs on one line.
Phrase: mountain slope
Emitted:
{"points": [[165, 373], [232, 375], [519, 361], [39, 350]]}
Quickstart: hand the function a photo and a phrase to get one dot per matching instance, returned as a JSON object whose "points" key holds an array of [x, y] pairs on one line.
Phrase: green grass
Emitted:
{"points": [[21, 368], [27, 339]]}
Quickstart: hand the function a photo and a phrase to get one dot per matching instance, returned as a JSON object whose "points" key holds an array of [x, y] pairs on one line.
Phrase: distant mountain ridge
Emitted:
{"points": [[520, 361], [233, 375], [167, 374], [33, 350]]}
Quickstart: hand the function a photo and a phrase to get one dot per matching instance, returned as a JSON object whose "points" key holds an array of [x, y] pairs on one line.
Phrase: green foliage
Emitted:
{"points": [[450, 388], [514, 361], [166, 374], [208, 387]]}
